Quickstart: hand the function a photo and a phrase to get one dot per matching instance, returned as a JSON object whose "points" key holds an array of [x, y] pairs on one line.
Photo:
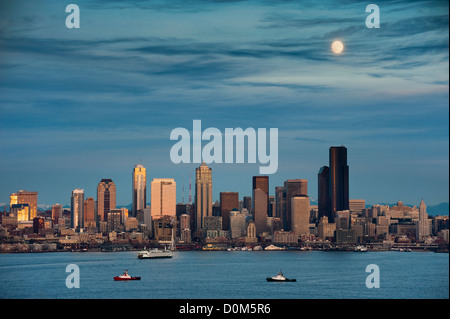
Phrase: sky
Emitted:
{"points": [[80, 105]]}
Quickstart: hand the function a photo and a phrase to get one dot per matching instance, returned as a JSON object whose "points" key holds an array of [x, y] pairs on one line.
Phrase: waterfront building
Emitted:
{"points": [[139, 189], [106, 198], [203, 195]]}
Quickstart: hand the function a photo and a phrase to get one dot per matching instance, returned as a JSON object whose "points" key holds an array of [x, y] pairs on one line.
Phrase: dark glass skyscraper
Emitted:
{"points": [[333, 184], [324, 193], [339, 190]]}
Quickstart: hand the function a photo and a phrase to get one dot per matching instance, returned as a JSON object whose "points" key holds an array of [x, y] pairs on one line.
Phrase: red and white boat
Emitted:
{"points": [[126, 277]]}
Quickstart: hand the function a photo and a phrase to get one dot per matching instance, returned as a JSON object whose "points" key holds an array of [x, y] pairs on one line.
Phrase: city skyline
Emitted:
{"points": [[81, 105]]}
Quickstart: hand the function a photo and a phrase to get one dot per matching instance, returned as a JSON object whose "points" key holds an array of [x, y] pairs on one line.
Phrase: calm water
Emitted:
{"points": [[220, 275]]}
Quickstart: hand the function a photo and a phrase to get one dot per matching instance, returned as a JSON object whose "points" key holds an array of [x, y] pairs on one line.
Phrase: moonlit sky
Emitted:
{"points": [[79, 105]]}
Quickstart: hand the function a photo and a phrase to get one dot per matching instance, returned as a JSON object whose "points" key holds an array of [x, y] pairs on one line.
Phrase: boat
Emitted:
{"points": [[280, 277], [155, 253], [126, 277], [273, 247], [361, 249]]}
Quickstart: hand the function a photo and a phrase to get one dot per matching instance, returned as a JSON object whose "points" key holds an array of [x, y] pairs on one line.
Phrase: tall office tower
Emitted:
{"points": [[247, 203], [324, 193], [292, 187], [77, 209], [228, 201], [89, 213], [139, 190], [203, 195], [280, 202], [300, 214], [260, 203], [261, 182], [163, 197], [106, 198], [30, 198], [423, 226], [339, 189], [13, 199], [57, 212]]}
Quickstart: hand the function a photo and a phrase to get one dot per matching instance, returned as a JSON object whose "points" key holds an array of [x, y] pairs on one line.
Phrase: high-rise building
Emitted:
{"points": [[89, 213], [228, 201], [106, 198], [260, 203], [333, 184], [163, 197], [139, 189], [280, 202], [324, 203], [423, 225], [57, 212], [293, 187], [203, 195], [261, 182], [300, 214], [30, 198], [339, 179], [77, 209]]}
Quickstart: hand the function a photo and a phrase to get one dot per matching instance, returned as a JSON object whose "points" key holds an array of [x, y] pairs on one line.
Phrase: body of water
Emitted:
{"points": [[226, 275]]}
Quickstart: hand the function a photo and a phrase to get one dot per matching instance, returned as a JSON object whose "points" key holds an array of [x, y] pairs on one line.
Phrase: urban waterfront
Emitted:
{"points": [[225, 275]]}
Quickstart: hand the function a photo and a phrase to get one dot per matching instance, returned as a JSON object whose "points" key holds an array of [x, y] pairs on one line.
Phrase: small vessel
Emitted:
{"points": [[155, 253], [361, 249], [126, 277], [280, 277]]}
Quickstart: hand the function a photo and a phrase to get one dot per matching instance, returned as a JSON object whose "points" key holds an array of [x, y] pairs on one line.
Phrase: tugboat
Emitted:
{"points": [[125, 277], [280, 277]]}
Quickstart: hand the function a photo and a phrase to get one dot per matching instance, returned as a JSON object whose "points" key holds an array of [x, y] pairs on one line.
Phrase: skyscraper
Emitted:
{"points": [[300, 214], [203, 194], [89, 213], [77, 209], [324, 193], [57, 213], [339, 189], [30, 198], [333, 184], [228, 201], [139, 189], [106, 198], [423, 225], [163, 197], [260, 203], [292, 188]]}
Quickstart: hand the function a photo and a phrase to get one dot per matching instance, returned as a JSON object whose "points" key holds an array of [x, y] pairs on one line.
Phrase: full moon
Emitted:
{"points": [[337, 47]]}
